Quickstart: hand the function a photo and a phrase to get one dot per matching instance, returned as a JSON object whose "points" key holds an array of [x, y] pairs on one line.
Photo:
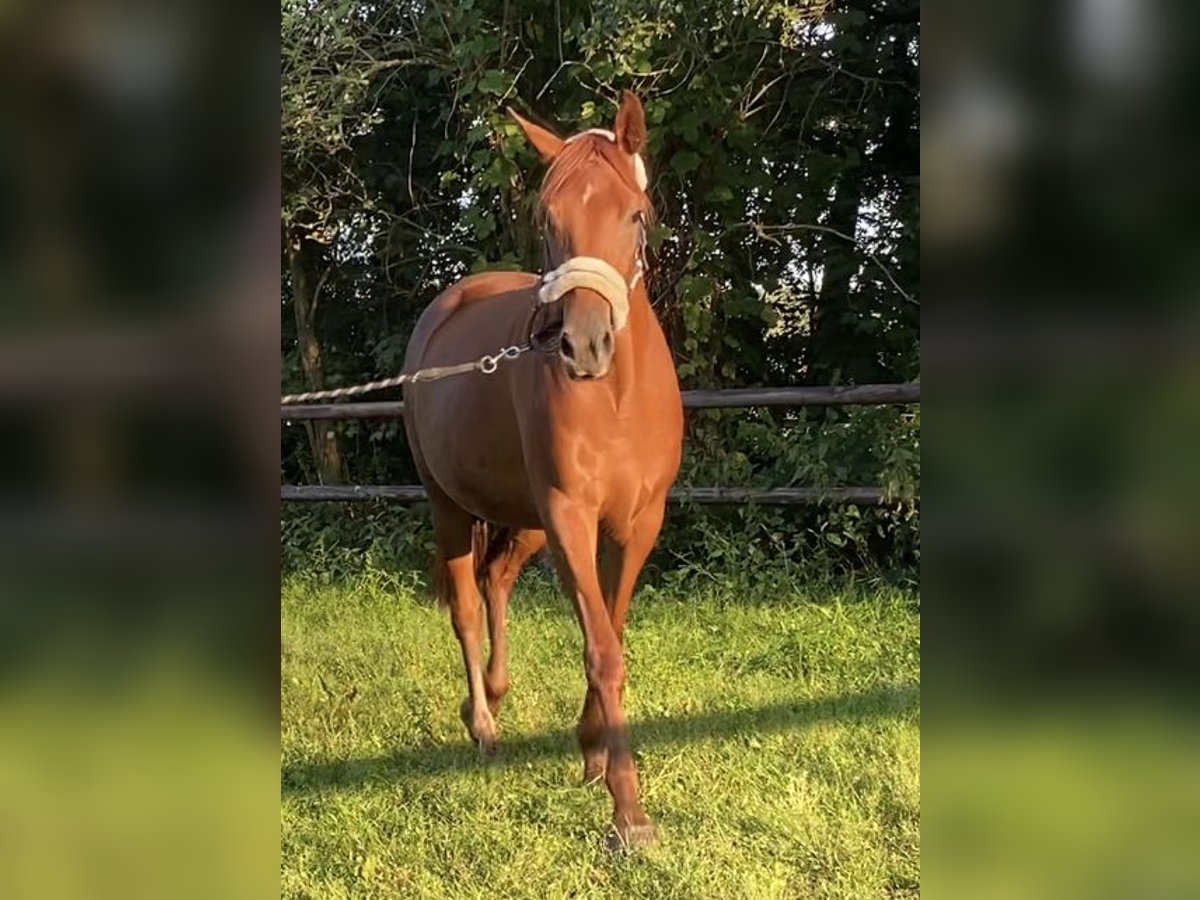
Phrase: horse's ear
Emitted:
{"points": [[630, 128], [546, 142]]}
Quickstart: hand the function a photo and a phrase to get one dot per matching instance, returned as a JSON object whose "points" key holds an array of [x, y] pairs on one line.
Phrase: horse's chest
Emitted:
{"points": [[610, 451]]}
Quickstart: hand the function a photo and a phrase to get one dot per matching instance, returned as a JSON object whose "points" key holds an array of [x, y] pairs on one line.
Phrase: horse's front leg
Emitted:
{"points": [[572, 531], [623, 553]]}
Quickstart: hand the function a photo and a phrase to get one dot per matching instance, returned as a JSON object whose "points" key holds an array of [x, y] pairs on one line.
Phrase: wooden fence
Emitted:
{"points": [[734, 398], [857, 395]]}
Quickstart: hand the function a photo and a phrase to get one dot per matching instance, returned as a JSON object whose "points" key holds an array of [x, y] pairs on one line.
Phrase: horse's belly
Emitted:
{"points": [[472, 450], [503, 501]]}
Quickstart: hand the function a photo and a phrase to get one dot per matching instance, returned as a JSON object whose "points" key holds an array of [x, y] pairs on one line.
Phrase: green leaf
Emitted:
{"points": [[493, 82], [685, 161], [687, 126], [485, 226], [720, 194]]}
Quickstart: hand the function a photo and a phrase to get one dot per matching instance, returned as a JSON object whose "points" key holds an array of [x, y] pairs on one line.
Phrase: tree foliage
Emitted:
{"points": [[783, 160]]}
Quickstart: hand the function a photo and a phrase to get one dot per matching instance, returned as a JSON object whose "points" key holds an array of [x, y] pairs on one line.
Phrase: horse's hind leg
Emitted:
{"points": [[499, 575], [453, 532]]}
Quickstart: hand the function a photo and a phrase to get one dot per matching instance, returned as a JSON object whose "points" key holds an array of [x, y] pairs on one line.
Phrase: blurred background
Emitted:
{"points": [[1061, 504], [138, 558]]}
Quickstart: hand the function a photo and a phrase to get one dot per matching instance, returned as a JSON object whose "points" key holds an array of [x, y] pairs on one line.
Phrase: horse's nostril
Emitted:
{"points": [[564, 343], [608, 342]]}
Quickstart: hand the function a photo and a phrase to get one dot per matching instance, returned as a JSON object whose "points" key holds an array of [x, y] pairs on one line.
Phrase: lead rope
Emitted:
{"points": [[487, 364]]}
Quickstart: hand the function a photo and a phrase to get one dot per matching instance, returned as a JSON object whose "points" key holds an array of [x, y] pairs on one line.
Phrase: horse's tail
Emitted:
{"points": [[488, 543], [440, 578]]}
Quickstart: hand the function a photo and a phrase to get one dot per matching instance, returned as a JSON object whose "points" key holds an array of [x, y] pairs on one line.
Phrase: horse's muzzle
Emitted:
{"points": [[586, 353]]}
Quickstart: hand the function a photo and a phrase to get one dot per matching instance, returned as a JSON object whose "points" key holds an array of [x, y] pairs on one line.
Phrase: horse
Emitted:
{"points": [[573, 448]]}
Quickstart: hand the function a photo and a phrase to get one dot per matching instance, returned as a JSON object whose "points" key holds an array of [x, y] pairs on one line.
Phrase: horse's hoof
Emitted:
{"points": [[481, 727], [629, 837]]}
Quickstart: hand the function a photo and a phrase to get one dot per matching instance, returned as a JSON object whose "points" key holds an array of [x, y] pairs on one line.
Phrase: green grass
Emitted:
{"points": [[778, 739]]}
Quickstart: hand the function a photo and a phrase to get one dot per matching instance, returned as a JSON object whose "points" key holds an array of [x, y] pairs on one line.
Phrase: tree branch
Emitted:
{"points": [[762, 231]]}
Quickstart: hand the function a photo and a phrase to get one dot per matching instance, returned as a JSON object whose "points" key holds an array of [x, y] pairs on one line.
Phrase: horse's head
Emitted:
{"points": [[593, 210]]}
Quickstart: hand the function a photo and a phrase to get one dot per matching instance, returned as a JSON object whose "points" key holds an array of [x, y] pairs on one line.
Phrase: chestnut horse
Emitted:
{"points": [[575, 449]]}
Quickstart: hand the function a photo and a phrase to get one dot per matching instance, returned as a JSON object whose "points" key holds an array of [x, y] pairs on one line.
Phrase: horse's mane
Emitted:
{"points": [[579, 152]]}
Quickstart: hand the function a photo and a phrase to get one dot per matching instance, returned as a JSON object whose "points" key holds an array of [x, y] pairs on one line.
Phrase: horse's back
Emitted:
{"points": [[501, 297]]}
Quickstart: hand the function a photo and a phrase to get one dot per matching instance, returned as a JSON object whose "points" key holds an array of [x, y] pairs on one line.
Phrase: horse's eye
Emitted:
{"points": [[636, 217]]}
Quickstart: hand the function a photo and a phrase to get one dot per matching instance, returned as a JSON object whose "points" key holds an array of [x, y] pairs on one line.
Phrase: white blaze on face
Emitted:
{"points": [[639, 172], [639, 167]]}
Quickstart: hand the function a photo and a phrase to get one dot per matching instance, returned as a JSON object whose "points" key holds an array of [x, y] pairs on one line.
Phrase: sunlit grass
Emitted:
{"points": [[777, 736]]}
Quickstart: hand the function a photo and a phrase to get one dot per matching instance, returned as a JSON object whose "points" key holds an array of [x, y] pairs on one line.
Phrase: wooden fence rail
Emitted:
{"points": [[414, 493], [735, 398], [855, 395]]}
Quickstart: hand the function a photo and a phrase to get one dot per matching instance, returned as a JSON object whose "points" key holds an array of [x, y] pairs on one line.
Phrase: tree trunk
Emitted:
{"points": [[322, 438]]}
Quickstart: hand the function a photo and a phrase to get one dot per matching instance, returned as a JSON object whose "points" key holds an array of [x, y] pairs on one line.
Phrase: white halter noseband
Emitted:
{"points": [[596, 274]]}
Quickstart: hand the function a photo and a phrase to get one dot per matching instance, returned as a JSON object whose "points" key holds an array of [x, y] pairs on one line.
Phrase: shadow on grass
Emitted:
{"points": [[427, 759]]}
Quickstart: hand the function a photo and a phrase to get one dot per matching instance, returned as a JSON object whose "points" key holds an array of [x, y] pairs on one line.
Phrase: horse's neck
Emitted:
{"points": [[632, 345]]}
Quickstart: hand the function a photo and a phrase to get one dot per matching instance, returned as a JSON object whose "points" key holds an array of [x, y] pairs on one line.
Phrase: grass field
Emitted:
{"points": [[778, 739]]}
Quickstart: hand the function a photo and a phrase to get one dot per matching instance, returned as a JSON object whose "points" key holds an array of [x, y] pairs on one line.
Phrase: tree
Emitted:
{"points": [[784, 166]]}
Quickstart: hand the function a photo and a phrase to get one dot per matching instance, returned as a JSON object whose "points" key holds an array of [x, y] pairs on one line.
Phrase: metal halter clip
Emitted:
{"points": [[489, 364]]}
